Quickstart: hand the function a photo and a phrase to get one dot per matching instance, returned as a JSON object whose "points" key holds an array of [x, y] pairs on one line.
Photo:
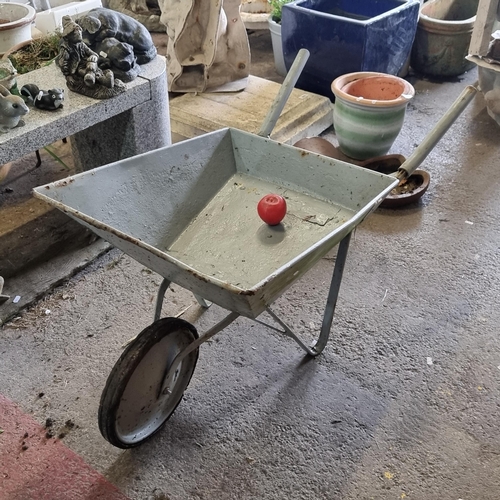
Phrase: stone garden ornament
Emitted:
{"points": [[12, 108], [146, 12], [49, 100], [79, 64], [103, 24], [7, 74], [121, 42], [3, 298]]}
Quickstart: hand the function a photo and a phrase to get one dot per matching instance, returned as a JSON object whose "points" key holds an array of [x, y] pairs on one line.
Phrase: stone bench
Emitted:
{"points": [[102, 131]]}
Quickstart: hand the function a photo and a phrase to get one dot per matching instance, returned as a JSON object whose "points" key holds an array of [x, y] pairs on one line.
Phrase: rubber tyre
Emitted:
{"points": [[129, 411]]}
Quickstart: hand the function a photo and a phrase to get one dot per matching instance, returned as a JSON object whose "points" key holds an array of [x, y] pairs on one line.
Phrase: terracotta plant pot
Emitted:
{"points": [[38, 53], [369, 112], [15, 48]]}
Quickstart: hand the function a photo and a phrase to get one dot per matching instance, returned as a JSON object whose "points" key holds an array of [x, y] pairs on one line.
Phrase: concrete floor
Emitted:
{"points": [[403, 403]]}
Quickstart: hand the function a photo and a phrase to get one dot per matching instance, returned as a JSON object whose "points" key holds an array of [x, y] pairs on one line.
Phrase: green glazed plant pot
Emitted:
{"points": [[369, 112]]}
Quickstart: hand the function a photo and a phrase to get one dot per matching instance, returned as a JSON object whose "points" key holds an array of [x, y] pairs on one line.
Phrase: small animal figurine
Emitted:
{"points": [[119, 57], [42, 99], [12, 107]]}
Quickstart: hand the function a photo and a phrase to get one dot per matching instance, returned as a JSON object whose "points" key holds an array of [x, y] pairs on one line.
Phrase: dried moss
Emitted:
{"points": [[40, 52]]}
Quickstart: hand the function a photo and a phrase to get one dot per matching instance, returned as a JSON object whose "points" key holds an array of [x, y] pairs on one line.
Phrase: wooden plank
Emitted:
{"points": [[248, 106], [483, 27], [37, 239], [304, 114], [22, 213]]}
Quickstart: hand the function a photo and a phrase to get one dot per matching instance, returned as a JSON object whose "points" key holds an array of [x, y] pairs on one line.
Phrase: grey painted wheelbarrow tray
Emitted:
{"points": [[188, 212]]}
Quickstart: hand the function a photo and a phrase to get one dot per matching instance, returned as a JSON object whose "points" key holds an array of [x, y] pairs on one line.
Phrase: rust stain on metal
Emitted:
{"points": [[123, 236], [64, 182], [196, 275]]}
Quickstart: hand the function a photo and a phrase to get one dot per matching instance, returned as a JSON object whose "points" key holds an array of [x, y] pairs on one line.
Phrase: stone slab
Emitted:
{"points": [[305, 114]]}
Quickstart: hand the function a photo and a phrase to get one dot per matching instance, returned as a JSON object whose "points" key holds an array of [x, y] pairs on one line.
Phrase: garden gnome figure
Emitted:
{"points": [[78, 64]]}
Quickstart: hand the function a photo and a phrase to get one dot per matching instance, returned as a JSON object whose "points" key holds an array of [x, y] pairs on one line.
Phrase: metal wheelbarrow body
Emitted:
{"points": [[188, 212]]}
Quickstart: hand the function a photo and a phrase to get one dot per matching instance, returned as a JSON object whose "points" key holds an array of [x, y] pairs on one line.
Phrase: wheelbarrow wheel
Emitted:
{"points": [[131, 408]]}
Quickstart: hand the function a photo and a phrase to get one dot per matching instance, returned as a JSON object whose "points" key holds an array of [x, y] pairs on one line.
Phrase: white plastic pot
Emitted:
{"points": [[50, 20], [15, 24], [279, 61]]}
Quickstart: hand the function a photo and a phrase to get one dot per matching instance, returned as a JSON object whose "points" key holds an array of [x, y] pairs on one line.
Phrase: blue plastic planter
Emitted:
{"points": [[345, 36]]}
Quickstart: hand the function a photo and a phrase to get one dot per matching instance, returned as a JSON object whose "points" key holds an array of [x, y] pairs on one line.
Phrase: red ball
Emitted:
{"points": [[272, 209]]}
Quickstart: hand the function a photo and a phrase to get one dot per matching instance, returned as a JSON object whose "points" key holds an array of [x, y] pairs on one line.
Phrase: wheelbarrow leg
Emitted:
{"points": [[161, 295], [203, 303], [333, 294], [331, 302], [159, 298]]}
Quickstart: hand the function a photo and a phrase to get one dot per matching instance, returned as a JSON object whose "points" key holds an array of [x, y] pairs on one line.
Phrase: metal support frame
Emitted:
{"points": [[331, 302], [226, 321], [313, 350], [161, 295]]}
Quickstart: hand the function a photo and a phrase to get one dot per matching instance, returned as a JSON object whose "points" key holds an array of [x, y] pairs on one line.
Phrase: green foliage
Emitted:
{"points": [[276, 6], [56, 158]]}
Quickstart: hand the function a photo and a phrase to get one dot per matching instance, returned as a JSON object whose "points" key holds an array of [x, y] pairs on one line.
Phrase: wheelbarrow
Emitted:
{"points": [[188, 212]]}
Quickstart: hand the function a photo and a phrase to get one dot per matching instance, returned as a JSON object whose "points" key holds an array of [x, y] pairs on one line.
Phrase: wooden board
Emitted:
{"points": [[31, 231], [36, 236], [304, 115]]}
